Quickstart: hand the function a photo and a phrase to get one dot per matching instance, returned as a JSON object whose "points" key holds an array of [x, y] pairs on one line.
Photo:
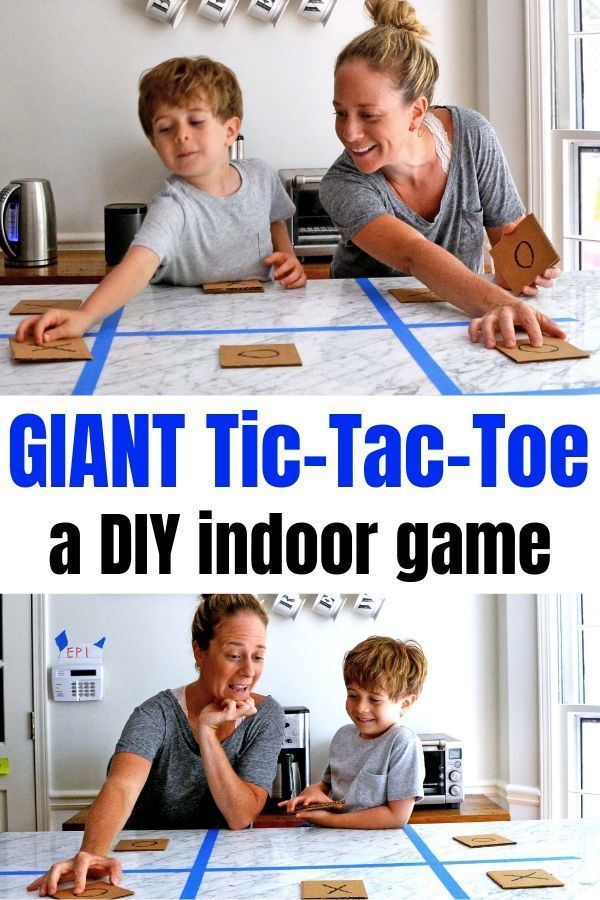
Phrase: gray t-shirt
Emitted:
{"points": [[369, 772], [176, 794], [199, 237], [479, 193]]}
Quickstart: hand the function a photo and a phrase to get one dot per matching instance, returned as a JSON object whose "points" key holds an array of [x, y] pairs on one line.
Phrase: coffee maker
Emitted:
{"points": [[293, 763]]}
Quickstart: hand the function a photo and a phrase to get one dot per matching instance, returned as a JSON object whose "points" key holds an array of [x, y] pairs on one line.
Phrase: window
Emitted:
{"points": [[570, 705], [564, 126]]}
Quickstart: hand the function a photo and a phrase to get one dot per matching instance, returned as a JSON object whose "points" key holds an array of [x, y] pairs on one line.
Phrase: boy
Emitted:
{"points": [[214, 220], [376, 764]]}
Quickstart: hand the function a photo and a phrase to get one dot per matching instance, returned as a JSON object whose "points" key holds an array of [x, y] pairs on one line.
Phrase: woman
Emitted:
{"points": [[416, 186], [200, 756]]}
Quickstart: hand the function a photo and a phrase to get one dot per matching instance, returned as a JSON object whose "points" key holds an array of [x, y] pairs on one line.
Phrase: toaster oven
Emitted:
{"points": [[311, 230], [443, 785]]}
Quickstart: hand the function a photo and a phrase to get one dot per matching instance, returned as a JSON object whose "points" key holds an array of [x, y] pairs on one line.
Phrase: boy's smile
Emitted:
{"points": [[373, 712], [193, 143]]}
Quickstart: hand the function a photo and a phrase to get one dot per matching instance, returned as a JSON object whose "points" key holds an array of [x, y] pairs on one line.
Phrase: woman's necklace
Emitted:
{"points": [[442, 146]]}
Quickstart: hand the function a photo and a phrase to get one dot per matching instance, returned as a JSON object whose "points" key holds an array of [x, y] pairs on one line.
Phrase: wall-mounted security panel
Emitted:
{"points": [[77, 683]]}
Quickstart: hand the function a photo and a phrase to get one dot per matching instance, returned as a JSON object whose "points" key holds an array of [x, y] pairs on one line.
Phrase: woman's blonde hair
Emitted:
{"points": [[384, 664], [213, 608], [394, 46]]}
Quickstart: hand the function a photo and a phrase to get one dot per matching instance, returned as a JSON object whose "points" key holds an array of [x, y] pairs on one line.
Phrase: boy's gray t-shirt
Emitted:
{"points": [[176, 793], [368, 772], [480, 193], [200, 238]]}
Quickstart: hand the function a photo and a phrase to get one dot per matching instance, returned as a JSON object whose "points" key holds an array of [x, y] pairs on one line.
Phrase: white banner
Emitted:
{"points": [[302, 495]]}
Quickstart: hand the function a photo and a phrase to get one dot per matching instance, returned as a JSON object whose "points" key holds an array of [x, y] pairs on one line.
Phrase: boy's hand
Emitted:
{"points": [[315, 816], [287, 269], [53, 325], [310, 794]]}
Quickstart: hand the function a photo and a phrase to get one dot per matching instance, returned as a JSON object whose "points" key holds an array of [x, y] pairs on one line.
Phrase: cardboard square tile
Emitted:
{"points": [[319, 890], [29, 307], [553, 348], [96, 889], [143, 844], [483, 840], [245, 355], [331, 804], [53, 351], [523, 254], [524, 878], [249, 286], [415, 295]]}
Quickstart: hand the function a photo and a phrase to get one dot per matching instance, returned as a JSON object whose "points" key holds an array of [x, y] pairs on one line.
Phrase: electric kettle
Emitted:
{"points": [[28, 223]]}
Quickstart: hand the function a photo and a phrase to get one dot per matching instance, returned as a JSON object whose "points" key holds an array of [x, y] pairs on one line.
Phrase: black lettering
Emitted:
{"points": [[65, 558]]}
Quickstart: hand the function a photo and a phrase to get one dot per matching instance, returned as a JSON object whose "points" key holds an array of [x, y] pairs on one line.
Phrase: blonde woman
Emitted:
{"points": [[199, 756], [418, 185]]}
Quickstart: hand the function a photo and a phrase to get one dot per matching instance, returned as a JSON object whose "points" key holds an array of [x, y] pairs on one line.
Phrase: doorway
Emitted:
{"points": [[17, 783]]}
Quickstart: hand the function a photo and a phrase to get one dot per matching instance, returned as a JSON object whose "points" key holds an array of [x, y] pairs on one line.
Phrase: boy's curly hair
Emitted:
{"points": [[385, 664], [179, 81]]}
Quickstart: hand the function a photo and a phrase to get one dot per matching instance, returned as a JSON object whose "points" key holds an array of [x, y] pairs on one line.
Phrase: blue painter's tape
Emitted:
{"points": [[192, 885], [463, 324], [436, 866], [293, 329], [92, 370], [434, 372], [515, 859], [302, 868]]}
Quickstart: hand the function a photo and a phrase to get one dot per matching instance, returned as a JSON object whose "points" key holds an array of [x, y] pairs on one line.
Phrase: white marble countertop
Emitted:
{"points": [[353, 338], [418, 861]]}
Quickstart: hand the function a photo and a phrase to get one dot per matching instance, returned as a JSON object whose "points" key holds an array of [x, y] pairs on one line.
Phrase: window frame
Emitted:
{"points": [[552, 143]]}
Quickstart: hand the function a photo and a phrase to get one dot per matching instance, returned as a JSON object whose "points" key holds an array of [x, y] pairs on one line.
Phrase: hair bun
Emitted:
{"points": [[397, 14]]}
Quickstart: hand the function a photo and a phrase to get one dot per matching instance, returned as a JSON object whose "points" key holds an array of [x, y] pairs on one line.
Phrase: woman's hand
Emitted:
{"points": [[78, 869], [54, 325], [287, 269], [544, 280], [311, 794], [215, 714], [504, 317]]}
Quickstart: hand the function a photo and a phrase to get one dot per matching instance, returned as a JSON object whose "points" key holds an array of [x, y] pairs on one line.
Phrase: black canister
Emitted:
{"points": [[121, 224]]}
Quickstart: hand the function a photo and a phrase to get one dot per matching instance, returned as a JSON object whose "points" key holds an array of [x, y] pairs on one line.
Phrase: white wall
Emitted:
{"points": [[69, 73], [147, 649]]}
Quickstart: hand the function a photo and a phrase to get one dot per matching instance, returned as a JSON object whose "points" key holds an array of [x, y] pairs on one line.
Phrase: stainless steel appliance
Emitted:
{"points": [[28, 223], [443, 785], [293, 764], [311, 230]]}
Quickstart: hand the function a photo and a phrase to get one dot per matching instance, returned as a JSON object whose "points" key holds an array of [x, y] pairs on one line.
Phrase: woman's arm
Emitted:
{"points": [[394, 814], [106, 817], [239, 801], [402, 247], [120, 285]]}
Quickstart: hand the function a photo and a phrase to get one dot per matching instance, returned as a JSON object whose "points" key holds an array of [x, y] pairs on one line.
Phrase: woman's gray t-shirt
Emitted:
{"points": [[480, 193], [368, 772], [176, 793]]}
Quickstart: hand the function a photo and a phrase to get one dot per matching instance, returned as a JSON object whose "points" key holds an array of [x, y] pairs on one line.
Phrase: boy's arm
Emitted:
{"points": [[313, 793], [394, 814], [287, 267], [121, 284]]}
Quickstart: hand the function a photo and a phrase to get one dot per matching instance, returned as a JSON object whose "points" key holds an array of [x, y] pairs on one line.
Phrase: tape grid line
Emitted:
{"points": [[437, 867], [421, 356], [192, 885], [92, 370]]}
